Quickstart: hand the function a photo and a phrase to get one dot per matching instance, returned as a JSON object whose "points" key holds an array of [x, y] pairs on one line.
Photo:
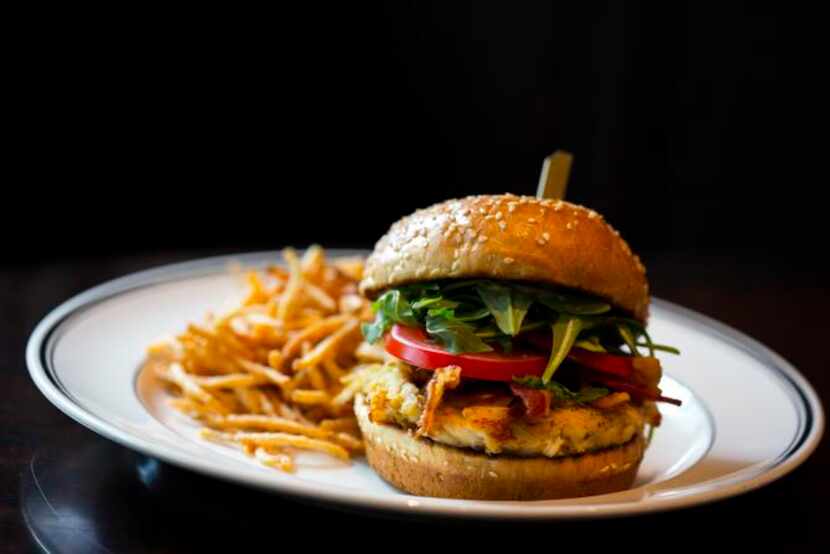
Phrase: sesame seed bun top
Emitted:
{"points": [[507, 237]]}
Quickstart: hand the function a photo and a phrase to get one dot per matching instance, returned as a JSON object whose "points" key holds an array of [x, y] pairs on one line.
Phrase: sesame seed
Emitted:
{"points": [[509, 260], [482, 211], [546, 236], [541, 241], [531, 220], [569, 225], [482, 238], [492, 474], [498, 215], [502, 225]]}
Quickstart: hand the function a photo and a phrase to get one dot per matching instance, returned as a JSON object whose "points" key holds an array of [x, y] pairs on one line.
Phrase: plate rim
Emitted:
{"points": [[39, 370]]}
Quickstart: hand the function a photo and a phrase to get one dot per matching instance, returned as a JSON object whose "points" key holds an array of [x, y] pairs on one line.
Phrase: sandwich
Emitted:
{"points": [[518, 364]]}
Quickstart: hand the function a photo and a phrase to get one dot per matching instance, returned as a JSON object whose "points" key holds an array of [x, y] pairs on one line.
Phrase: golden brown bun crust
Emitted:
{"points": [[426, 468], [514, 238]]}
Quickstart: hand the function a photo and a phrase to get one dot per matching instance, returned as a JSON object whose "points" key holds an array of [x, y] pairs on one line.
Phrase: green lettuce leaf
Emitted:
{"points": [[474, 315], [565, 331], [661, 348], [392, 307], [508, 305], [456, 336], [470, 315], [570, 303], [433, 302], [628, 338], [561, 392], [590, 343]]}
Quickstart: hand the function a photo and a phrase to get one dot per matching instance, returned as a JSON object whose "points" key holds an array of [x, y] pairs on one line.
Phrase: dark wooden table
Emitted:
{"points": [[102, 497]]}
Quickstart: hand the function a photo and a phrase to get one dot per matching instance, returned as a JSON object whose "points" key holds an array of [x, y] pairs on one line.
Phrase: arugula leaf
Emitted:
{"points": [[589, 394], [561, 392], [489, 332], [374, 330], [661, 348], [480, 313], [389, 309], [628, 338], [509, 306], [635, 327], [456, 336], [474, 312], [426, 302], [649, 344], [434, 302], [447, 313], [397, 308], [565, 331], [590, 343], [570, 303]]}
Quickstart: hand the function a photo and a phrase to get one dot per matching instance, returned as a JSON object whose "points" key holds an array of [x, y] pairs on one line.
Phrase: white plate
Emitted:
{"points": [[748, 417]]}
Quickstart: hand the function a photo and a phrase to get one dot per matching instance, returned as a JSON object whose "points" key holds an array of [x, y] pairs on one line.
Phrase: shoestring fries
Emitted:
{"points": [[274, 375]]}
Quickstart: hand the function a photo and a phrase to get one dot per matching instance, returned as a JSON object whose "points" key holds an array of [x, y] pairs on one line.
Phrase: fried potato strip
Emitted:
{"points": [[272, 375]]}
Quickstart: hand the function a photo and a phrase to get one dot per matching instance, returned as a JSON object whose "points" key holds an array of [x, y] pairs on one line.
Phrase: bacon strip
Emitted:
{"points": [[442, 379], [636, 391], [537, 402]]}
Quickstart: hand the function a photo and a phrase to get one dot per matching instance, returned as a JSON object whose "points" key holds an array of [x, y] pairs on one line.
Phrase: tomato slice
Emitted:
{"points": [[412, 345], [621, 366], [612, 364]]}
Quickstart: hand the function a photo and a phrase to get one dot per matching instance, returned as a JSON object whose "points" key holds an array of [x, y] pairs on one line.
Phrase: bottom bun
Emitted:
{"points": [[426, 468]]}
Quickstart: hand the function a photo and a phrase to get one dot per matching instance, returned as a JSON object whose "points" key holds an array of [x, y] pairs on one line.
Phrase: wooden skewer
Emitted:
{"points": [[553, 181]]}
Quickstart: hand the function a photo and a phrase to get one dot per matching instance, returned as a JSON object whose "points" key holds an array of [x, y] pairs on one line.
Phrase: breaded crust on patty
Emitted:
{"points": [[485, 418]]}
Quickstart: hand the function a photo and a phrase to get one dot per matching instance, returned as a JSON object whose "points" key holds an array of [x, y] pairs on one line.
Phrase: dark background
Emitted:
{"points": [[138, 138], [693, 128]]}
